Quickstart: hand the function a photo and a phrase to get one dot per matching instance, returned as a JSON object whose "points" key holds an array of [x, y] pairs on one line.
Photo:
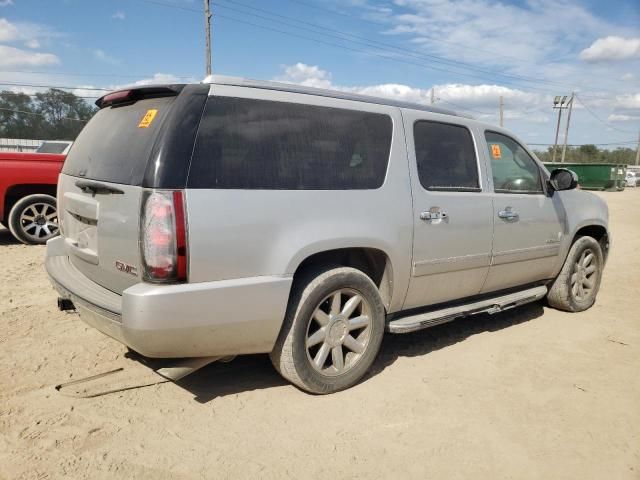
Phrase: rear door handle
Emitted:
{"points": [[434, 213], [508, 214]]}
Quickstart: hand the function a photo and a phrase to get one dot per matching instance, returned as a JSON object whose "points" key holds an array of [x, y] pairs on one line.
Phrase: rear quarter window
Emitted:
{"points": [[259, 144], [115, 145]]}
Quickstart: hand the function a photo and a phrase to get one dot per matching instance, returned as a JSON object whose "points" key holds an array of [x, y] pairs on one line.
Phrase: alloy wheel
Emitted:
{"points": [[584, 276], [338, 332], [39, 221]]}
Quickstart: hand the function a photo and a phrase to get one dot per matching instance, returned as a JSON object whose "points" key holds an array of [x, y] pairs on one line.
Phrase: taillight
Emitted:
{"points": [[163, 236]]}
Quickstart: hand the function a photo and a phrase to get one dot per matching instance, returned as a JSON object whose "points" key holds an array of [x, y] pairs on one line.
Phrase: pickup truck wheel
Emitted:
{"points": [[34, 219], [332, 330], [576, 287]]}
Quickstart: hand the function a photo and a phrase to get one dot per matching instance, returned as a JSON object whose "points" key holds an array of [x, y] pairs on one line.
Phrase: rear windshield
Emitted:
{"points": [[52, 147], [258, 144], [116, 144]]}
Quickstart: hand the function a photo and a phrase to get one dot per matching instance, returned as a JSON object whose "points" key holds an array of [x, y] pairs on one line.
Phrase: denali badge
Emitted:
{"points": [[123, 267]]}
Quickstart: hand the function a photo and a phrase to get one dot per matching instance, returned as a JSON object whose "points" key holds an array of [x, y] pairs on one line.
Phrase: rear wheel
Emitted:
{"points": [[332, 331], [577, 285], [34, 219]]}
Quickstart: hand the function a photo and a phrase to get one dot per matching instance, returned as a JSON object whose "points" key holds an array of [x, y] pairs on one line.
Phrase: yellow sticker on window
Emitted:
{"points": [[495, 151], [148, 118]]}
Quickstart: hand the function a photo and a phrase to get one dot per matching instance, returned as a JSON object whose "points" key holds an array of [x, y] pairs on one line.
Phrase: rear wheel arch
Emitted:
{"points": [[14, 193], [373, 262]]}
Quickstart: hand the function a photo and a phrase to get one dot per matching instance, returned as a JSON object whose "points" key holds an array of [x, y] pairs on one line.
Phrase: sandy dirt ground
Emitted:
{"points": [[530, 393]]}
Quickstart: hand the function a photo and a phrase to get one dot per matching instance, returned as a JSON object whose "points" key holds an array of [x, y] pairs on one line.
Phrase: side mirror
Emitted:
{"points": [[563, 179]]}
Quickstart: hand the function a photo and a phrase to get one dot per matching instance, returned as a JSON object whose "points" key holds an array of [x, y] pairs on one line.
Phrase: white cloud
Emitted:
{"points": [[612, 48], [13, 57], [490, 32], [623, 118], [6, 3], [479, 100], [105, 57], [33, 43], [161, 78], [8, 31], [627, 77], [119, 15], [628, 102], [32, 35], [307, 75]]}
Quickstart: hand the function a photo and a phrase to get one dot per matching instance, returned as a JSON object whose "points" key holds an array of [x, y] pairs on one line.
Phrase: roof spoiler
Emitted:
{"points": [[130, 95]]}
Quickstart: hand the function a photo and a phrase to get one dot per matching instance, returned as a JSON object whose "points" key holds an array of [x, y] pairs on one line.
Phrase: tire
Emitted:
{"points": [[322, 316], [576, 287], [34, 219]]}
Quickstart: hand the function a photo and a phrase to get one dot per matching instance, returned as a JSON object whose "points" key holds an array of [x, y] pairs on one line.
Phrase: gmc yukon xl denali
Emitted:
{"points": [[237, 217]]}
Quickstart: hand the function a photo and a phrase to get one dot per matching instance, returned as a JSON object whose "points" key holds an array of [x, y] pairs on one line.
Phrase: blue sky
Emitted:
{"points": [[470, 51]]}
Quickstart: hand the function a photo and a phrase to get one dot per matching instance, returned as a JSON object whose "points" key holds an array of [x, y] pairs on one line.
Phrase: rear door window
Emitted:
{"points": [[258, 144], [116, 143], [445, 156]]}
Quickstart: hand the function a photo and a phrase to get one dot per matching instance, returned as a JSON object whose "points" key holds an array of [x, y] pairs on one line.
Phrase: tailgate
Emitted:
{"points": [[101, 231], [100, 190]]}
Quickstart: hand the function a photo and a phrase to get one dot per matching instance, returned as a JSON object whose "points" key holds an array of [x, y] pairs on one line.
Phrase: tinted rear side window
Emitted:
{"points": [[445, 156], [258, 144], [115, 145]]}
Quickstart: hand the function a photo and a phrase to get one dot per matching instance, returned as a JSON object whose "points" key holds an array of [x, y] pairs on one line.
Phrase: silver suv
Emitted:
{"points": [[238, 217]]}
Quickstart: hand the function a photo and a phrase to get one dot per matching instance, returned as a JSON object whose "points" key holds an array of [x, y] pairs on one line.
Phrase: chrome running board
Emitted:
{"points": [[490, 305]]}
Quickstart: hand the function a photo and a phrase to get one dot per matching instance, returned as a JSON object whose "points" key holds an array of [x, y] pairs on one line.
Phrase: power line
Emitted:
{"points": [[40, 114], [599, 119], [398, 57], [403, 52], [467, 109], [72, 74], [17, 94], [379, 55], [369, 42], [61, 87], [375, 43], [374, 22]]}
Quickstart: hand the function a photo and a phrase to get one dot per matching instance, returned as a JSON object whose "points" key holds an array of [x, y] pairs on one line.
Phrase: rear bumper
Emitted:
{"points": [[227, 317]]}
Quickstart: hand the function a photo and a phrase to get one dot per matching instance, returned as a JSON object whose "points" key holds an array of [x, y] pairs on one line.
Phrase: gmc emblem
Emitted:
{"points": [[123, 267]]}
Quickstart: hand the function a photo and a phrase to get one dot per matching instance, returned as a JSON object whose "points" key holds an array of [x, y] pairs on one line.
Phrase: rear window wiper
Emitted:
{"points": [[88, 186]]}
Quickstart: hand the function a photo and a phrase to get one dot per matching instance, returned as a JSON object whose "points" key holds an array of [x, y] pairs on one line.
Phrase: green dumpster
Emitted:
{"points": [[594, 176]]}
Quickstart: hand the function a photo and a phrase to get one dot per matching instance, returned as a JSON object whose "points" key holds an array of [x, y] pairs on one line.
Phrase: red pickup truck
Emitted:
{"points": [[28, 195]]}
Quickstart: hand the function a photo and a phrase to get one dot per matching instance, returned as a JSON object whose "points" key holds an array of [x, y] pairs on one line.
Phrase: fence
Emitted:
{"points": [[18, 145]]}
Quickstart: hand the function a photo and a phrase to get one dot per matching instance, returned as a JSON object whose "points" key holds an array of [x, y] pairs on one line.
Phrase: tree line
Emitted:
{"points": [[59, 115], [51, 115], [590, 154]]}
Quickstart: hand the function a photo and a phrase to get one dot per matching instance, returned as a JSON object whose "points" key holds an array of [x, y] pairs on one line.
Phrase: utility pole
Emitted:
{"points": [[566, 132], [638, 151], [558, 103], [501, 111], [433, 95], [207, 36]]}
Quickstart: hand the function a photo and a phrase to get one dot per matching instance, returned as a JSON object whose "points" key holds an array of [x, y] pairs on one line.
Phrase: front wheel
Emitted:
{"points": [[332, 330], [577, 285], [34, 219]]}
